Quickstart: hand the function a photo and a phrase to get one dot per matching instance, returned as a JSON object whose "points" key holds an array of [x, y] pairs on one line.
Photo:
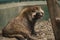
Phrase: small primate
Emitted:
{"points": [[22, 26]]}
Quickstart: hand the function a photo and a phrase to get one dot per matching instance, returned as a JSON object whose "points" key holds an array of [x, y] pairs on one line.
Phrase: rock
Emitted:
{"points": [[44, 30]]}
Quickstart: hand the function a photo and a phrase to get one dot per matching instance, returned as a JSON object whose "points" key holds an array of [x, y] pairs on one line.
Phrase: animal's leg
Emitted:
{"points": [[33, 31]]}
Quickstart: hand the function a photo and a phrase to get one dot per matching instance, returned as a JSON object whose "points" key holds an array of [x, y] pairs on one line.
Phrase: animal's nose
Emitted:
{"points": [[38, 13]]}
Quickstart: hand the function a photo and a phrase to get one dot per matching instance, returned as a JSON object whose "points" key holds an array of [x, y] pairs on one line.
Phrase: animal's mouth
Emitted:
{"points": [[38, 15]]}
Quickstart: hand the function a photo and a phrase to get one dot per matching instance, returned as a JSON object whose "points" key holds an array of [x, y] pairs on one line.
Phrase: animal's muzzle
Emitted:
{"points": [[38, 14]]}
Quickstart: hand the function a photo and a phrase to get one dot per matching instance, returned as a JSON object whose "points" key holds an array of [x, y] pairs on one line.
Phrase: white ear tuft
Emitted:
{"points": [[41, 10]]}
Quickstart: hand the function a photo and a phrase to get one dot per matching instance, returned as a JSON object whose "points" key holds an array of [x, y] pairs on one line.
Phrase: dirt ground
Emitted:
{"points": [[43, 29]]}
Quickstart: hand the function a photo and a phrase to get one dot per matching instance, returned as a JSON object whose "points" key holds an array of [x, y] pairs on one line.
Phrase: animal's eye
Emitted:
{"points": [[33, 10], [37, 8]]}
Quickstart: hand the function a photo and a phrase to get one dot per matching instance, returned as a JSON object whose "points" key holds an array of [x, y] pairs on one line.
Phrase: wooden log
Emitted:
{"points": [[51, 8]]}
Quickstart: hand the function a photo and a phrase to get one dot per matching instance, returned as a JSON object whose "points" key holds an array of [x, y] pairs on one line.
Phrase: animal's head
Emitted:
{"points": [[33, 12], [37, 12]]}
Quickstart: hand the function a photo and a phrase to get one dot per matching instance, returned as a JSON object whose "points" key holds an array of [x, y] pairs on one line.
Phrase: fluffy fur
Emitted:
{"points": [[22, 26]]}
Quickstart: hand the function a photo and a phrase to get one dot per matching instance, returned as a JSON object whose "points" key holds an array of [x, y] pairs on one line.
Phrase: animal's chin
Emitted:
{"points": [[37, 17]]}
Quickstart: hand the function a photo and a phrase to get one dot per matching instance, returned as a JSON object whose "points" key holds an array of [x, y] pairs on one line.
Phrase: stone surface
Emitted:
{"points": [[44, 30]]}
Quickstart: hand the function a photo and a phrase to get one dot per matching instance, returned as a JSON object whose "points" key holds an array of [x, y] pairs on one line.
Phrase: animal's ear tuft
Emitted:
{"points": [[41, 10]]}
